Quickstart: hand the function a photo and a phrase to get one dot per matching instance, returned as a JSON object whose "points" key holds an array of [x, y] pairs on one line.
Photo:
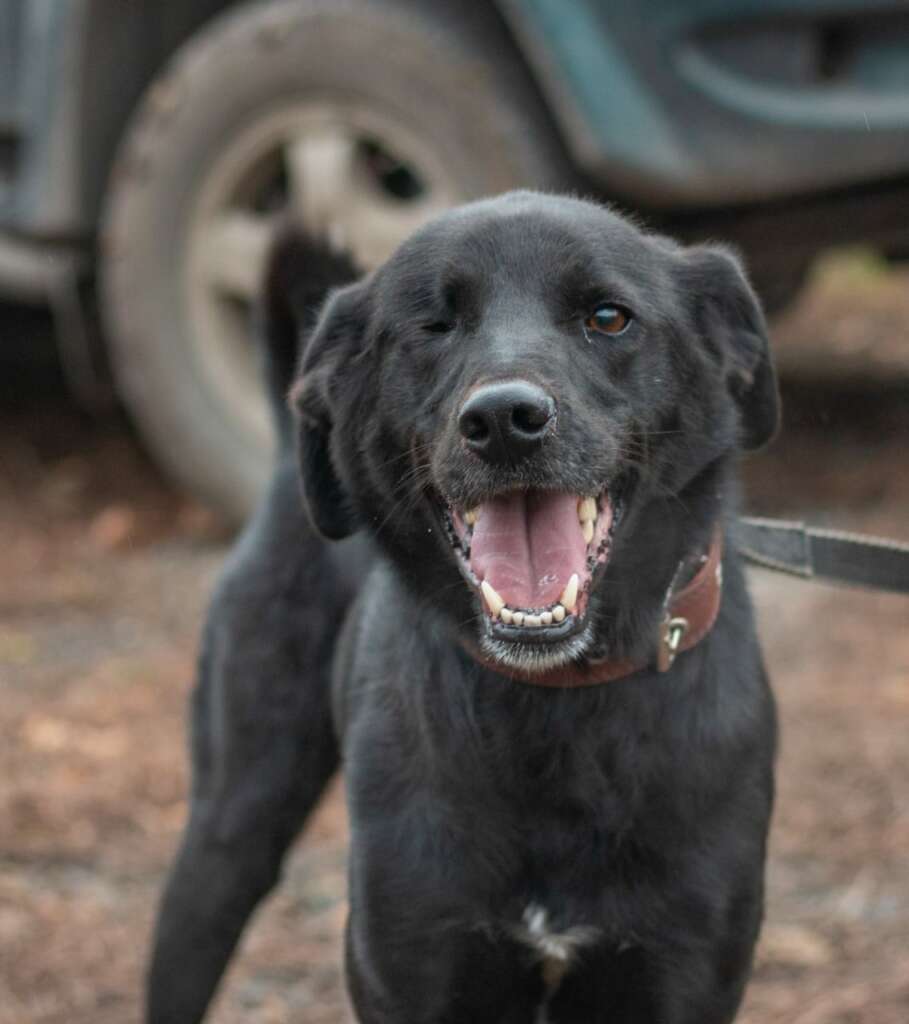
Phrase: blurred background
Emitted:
{"points": [[146, 151]]}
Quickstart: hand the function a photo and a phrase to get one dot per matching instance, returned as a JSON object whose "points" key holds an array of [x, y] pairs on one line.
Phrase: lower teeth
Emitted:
{"points": [[557, 613]]}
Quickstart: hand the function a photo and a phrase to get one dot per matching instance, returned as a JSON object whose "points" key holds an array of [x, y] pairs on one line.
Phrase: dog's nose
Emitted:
{"points": [[506, 421]]}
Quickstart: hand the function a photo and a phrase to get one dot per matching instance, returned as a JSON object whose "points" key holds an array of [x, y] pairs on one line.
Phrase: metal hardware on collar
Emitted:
{"points": [[671, 632]]}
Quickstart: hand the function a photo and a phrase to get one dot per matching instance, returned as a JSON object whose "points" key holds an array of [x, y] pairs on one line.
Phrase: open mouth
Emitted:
{"points": [[532, 555]]}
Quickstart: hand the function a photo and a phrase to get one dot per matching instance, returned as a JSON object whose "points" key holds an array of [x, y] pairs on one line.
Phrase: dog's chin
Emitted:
{"points": [[537, 658], [531, 558]]}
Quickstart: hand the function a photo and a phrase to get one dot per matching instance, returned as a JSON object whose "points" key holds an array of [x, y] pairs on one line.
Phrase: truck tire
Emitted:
{"points": [[365, 117]]}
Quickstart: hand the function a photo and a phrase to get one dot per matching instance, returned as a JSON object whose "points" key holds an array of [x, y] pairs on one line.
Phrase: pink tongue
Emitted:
{"points": [[527, 546]]}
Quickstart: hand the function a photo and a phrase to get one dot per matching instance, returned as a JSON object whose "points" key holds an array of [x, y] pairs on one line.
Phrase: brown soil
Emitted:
{"points": [[105, 575]]}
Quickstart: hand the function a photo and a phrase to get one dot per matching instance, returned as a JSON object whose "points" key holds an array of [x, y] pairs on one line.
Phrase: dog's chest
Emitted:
{"points": [[555, 948]]}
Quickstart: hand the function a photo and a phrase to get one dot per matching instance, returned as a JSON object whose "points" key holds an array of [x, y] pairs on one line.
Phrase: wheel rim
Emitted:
{"points": [[362, 180]]}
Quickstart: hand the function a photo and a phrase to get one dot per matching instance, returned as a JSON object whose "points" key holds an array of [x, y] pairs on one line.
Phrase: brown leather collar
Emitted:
{"points": [[688, 616]]}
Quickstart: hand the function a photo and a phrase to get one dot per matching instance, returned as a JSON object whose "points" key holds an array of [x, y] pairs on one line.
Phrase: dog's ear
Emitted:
{"points": [[732, 324], [329, 352]]}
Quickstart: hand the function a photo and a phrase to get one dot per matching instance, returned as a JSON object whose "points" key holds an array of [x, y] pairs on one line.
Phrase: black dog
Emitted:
{"points": [[531, 416]]}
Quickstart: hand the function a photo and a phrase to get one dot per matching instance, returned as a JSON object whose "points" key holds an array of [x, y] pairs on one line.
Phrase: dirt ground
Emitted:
{"points": [[105, 573]]}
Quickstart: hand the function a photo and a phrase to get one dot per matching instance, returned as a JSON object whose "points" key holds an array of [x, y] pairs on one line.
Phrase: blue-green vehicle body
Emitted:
{"points": [[782, 125], [710, 102]]}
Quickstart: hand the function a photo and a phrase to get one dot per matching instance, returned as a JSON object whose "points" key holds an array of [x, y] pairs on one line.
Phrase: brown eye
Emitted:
{"points": [[607, 319]]}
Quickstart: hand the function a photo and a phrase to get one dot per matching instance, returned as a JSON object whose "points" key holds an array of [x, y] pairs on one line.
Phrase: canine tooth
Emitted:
{"points": [[587, 510], [546, 618], [506, 616], [517, 618], [471, 516], [569, 596], [558, 613], [587, 530], [496, 604], [532, 620]]}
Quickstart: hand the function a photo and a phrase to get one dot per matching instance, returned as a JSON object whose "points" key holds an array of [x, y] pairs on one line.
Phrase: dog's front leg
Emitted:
{"points": [[441, 979], [425, 941], [686, 971]]}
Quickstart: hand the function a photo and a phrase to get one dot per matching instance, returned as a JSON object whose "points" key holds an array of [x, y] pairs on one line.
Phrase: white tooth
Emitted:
{"points": [[517, 618], [587, 530], [496, 604], [532, 620], [558, 613], [587, 510], [569, 596], [506, 616], [471, 516], [546, 618]]}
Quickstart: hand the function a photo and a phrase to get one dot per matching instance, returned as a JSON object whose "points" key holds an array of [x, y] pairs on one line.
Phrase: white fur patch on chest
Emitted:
{"points": [[556, 949]]}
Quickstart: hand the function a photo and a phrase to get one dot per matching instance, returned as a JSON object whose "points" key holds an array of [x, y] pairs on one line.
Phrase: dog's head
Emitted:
{"points": [[532, 406]]}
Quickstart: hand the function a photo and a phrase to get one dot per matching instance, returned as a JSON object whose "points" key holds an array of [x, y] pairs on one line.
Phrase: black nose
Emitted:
{"points": [[507, 421]]}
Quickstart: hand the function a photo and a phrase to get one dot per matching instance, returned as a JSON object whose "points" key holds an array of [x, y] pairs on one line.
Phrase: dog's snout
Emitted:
{"points": [[506, 421]]}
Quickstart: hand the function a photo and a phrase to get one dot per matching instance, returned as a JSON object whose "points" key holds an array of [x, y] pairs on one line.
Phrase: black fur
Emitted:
{"points": [[635, 813]]}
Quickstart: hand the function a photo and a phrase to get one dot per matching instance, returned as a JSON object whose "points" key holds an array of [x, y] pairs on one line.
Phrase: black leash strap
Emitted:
{"points": [[825, 554]]}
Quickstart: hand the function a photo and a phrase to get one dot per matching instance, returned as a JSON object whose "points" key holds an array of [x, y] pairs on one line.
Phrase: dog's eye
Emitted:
{"points": [[438, 327], [608, 319]]}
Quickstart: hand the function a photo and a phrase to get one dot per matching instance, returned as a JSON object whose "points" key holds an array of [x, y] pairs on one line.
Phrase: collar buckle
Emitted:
{"points": [[672, 630]]}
